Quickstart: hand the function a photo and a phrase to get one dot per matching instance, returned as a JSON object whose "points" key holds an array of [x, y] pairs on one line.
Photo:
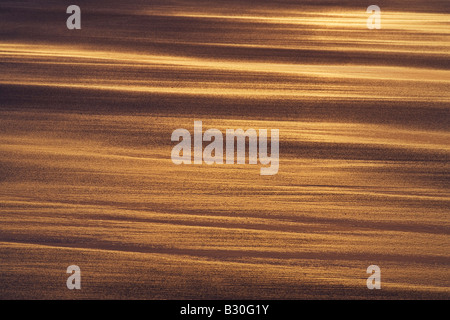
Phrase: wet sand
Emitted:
{"points": [[86, 176]]}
